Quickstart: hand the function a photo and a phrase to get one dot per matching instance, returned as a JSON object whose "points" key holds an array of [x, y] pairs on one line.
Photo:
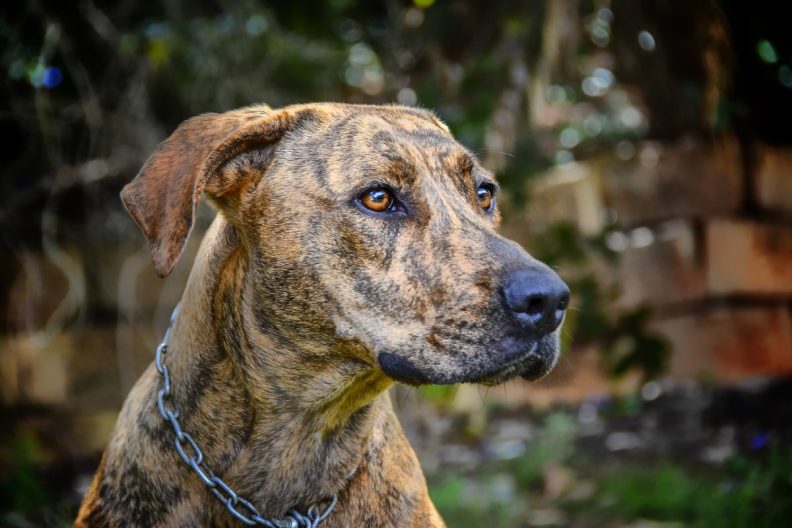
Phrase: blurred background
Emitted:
{"points": [[644, 148]]}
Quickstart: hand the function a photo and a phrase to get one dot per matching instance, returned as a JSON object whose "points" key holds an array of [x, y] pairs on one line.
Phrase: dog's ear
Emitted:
{"points": [[164, 196]]}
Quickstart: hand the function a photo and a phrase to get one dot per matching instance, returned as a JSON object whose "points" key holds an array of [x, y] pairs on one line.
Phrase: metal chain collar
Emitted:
{"points": [[239, 507]]}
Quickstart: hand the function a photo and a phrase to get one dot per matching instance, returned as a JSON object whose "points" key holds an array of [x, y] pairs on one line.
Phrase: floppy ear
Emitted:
{"points": [[164, 195]]}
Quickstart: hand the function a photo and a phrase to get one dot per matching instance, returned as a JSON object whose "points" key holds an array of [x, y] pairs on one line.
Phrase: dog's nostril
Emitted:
{"points": [[535, 305], [563, 302]]}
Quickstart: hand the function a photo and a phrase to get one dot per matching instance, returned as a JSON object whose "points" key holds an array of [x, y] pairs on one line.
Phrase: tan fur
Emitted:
{"points": [[298, 303]]}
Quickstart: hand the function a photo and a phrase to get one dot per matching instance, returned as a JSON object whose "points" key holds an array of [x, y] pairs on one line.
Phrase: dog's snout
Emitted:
{"points": [[537, 298]]}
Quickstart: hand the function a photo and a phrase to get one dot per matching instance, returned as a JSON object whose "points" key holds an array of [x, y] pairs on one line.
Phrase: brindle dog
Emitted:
{"points": [[355, 247]]}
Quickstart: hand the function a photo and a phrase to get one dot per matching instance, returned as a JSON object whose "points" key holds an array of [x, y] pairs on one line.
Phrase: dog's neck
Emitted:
{"points": [[300, 423]]}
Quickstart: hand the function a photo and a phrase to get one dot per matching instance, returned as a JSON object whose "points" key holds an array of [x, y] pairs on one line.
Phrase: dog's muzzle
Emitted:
{"points": [[533, 300]]}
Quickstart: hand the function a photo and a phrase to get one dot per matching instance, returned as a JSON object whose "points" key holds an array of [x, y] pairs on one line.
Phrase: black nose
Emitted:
{"points": [[537, 297]]}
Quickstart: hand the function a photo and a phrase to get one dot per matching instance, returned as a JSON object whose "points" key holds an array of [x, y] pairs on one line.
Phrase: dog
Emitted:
{"points": [[355, 247]]}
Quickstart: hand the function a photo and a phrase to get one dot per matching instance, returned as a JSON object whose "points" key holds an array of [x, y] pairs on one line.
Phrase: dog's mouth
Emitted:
{"points": [[530, 359], [533, 364]]}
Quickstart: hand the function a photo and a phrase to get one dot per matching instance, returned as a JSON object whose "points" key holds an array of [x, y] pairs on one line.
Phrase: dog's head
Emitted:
{"points": [[367, 230]]}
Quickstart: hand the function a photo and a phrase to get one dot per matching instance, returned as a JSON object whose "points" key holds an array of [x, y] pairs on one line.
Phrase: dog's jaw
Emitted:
{"points": [[401, 369], [530, 359]]}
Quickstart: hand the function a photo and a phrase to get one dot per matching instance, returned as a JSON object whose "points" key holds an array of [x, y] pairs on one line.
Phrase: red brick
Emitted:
{"points": [[749, 258], [730, 343], [688, 179], [773, 180], [667, 271]]}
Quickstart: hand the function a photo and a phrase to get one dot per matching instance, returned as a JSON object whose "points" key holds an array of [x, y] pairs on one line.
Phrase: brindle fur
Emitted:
{"points": [[297, 301]]}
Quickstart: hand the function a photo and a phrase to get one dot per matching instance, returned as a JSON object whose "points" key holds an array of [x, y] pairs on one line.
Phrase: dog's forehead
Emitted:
{"points": [[359, 140], [356, 114], [365, 125]]}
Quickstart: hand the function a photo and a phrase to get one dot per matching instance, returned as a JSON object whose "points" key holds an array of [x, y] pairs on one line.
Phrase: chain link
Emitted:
{"points": [[192, 455]]}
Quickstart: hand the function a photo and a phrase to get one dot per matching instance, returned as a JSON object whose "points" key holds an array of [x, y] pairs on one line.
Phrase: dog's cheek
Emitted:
{"points": [[310, 288], [290, 299], [359, 266], [367, 242]]}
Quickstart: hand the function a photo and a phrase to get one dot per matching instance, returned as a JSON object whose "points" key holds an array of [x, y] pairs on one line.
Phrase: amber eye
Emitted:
{"points": [[485, 197], [377, 200]]}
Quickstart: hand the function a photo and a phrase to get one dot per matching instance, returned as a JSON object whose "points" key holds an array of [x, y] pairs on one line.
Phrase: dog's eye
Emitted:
{"points": [[378, 200], [485, 196]]}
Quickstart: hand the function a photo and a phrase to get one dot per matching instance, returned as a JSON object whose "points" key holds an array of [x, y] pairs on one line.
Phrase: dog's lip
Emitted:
{"points": [[511, 356], [513, 367], [532, 363], [537, 370], [402, 369]]}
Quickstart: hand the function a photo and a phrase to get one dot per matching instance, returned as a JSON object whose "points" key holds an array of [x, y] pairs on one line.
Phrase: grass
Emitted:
{"points": [[553, 483], [746, 492], [491, 500]]}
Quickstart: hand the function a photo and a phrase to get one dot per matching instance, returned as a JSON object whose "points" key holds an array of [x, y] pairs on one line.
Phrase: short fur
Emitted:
{"points": [[302, 309]]}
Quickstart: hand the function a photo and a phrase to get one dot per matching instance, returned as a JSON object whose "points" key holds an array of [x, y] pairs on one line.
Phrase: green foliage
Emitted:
{"points": [[441, 394], [20, 488], [630, 346], [626, 406], [464, 502], [31, 493], [562, 243], [554, 444], [758, 494], [502, 492], [666, 493], [749, 493]]}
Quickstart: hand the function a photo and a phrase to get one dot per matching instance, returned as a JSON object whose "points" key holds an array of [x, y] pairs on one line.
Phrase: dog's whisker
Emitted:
{"points": [[563, 373], [490, 151]]}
